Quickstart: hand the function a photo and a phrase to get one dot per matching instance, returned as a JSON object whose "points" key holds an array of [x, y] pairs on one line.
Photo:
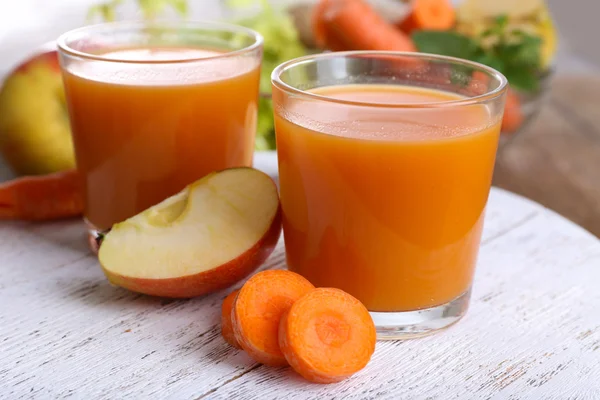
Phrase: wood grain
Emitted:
{"points": [[533, 330], [556, 161]]}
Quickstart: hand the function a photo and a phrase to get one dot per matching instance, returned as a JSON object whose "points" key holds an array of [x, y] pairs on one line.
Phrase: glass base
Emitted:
{"points": [[414, 324], [94, 236]]}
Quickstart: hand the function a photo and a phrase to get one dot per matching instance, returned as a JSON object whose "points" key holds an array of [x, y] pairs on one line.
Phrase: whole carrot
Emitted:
{"points": [[356, 25], [513, 113], [429, 15], [40, 198], [321, 30]]}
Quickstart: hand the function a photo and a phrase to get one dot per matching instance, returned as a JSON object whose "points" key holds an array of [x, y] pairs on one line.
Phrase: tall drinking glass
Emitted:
{"points": [[385, 164], [156, 106]]}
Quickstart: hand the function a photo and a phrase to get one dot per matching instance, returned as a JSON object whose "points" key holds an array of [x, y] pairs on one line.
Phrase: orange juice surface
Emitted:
{"points": [[143, 132], [386, 204]]}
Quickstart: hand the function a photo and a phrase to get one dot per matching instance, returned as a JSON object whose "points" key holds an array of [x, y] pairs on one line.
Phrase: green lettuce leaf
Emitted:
{"points": [[151, 9], [281, 43]]}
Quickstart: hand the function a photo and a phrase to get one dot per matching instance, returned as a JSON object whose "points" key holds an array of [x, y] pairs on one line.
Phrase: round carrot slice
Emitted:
{"points": [[226, 325], [258, 308], [327, 335]]}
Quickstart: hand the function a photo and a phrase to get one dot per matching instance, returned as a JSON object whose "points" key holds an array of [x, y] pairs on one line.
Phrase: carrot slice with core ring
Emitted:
{"points": [[327, 335]]}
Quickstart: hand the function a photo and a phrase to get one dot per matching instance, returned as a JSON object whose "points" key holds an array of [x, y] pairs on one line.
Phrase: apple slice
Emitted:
{"points": [[212, 234]]}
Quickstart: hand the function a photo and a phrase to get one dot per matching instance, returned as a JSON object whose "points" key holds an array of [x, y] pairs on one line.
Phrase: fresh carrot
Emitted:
{"points": [[257, 311], [327, 335], [39, 198], [320, 30], [355, 25], [226, 325], [513, 113], [430, 15], [325, 38], [478, 84]]}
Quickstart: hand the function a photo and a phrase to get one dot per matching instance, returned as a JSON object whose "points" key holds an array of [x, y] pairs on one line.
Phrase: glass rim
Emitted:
{"points": [[489, 95], [64, 48]]}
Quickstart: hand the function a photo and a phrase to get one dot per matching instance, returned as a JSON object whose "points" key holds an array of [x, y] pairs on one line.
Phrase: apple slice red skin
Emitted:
{"points": [[206, 282]]}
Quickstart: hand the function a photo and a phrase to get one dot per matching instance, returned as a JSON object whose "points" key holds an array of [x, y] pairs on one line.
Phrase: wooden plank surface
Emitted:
{"points": [[556, 161], [533, 330]]}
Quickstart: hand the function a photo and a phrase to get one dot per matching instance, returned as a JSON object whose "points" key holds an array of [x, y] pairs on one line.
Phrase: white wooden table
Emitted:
{"points": [[533, 330]]}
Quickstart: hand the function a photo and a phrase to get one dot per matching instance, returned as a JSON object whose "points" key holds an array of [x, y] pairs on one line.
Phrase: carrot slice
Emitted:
{"points": [[513, 113], [356, 25], [259, 305], [430, 15], [327, 335], [42, 197], [226, 324]]}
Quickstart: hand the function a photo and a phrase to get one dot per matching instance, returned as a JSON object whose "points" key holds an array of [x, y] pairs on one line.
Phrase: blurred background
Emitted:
{"points": [[25, 24], [552, 156]]}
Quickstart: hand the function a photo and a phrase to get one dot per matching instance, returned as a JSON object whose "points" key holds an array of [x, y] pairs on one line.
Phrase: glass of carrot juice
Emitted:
{"points": [[156, 106], [385, 166]]}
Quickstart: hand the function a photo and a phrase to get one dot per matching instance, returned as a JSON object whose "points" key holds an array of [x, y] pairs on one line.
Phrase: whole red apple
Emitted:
{"points": [[35, 136]]}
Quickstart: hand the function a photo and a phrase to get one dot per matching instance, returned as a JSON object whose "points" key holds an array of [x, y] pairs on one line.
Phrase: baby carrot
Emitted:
{"points": [[356, 25], [226, 326], [327, 335], [39, 198], [429, 15], [513, 113], [257, 310]]}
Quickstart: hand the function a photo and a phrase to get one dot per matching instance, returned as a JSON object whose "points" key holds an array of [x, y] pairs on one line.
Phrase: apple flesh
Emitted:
{"points": [[35, 135], [214, 233]]}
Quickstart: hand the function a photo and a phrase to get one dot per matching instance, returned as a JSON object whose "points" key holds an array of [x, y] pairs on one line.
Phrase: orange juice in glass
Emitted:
{"points": [[154, 107], [385, 165]]}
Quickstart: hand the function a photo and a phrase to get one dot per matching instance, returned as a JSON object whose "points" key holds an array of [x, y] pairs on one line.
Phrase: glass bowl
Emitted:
{"points": [[531, 104]]}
